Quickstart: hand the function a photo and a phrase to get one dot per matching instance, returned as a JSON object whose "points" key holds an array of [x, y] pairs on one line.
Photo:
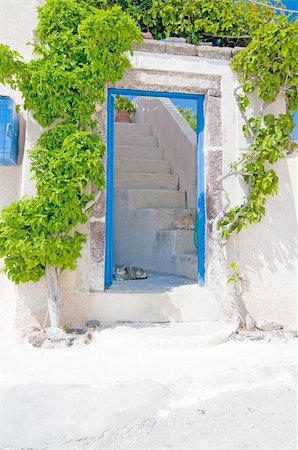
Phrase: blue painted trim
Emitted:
{"points": [[201, 214], [109, 257], [166, 94], [110, 175]]}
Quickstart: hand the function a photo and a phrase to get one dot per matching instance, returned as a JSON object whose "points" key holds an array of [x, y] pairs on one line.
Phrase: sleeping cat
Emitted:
{"points": [[124, 273]]}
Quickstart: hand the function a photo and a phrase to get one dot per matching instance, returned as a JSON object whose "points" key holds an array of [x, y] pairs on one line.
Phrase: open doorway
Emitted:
{"points": [[155, 185]]}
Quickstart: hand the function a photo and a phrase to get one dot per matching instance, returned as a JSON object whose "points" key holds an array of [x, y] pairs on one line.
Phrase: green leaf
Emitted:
{"points": [[233, 266]]}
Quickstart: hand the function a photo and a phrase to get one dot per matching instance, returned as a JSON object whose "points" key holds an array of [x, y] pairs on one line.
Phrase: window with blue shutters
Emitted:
{"points": [[9, 132]]}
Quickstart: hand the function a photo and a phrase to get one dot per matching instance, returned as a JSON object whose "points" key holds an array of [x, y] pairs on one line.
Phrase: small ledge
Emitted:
{"points": [[175, 48], [214, 52], [149, 45]]}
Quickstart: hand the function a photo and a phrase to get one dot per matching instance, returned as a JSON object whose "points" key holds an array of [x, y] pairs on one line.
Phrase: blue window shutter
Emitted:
{"points": [[9, 132]]}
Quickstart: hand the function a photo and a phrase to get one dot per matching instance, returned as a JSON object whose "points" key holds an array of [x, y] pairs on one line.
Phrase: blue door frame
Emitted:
{"points": [[201, 220]]}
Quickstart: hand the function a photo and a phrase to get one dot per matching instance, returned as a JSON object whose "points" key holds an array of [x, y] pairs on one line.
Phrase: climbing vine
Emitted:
{"points": [[79, 49], [39, 231], [267, 67], [224, 22]]}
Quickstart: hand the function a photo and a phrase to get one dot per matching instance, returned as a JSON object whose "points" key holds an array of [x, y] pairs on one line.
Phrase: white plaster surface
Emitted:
{"points": [[159, 299], [265, 252], [129, 391], [10, 180], [176, 137]]}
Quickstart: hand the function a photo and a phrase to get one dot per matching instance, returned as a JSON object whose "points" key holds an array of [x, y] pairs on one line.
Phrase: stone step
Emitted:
{"points": [[169, 219], [133, 129], [157, 299], [145, 181], [148, 247], [184, 241], [180, 335], [185, 265], [135, 140], [142, 165], [156, 198], [130, 152], [176, 241]]}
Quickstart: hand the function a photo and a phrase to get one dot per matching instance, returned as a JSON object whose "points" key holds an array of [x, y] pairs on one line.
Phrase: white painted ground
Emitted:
{"points": [[128, 391]]}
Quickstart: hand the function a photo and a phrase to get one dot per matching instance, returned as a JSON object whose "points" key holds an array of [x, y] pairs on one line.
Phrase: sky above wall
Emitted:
{"points": [[291, 4]]}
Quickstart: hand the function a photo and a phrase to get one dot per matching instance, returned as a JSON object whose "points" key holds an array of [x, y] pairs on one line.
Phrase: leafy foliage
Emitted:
{"points": [[124, 104], [39, 231], [234, 278], [79, 49], [267, 66], [232, 22], [190, 116]]}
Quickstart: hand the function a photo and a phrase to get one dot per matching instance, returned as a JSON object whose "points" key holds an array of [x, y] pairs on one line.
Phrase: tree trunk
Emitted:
{"points": [[54, 295]]}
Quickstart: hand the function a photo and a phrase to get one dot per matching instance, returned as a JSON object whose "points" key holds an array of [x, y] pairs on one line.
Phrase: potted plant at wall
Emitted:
{"points": [[125, 108]]}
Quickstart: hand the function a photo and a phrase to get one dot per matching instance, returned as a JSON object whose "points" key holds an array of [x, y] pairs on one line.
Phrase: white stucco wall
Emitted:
{"points": [[17, 21], [266, 252], [176, 137]]}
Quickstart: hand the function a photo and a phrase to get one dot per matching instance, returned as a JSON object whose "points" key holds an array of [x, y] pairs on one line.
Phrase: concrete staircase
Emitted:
{"points": [[153, 226]]}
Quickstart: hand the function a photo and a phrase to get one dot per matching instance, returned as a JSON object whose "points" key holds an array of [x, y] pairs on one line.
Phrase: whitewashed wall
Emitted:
{"points": [[176, 137], [17, 20], [266, 252]]}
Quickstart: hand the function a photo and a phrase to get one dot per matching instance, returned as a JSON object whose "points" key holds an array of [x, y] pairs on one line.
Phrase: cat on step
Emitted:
{"points": [[124, 273]]}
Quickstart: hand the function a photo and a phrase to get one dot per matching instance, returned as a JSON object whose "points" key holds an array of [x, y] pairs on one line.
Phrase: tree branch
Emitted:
{"points": [[245, 204], [92, 202], [237, 96]]}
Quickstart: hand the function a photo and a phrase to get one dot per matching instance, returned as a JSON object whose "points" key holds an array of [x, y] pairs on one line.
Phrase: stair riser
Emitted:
{"points": [[185, 266], [135, 141], [158, 219], [145, 181], [185, 242], [189, 304], [157, 199], [142, 166], [138, 153], [170, 219], [175, 242], [136, 242], [133, 129]]}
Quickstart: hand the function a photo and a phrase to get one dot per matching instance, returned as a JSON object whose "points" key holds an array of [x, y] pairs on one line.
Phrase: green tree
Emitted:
{"points": [[79, 48], [190, 116]]}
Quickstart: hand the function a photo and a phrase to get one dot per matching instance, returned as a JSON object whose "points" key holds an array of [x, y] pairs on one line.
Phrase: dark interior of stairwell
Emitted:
{"points": [[155, 195]]}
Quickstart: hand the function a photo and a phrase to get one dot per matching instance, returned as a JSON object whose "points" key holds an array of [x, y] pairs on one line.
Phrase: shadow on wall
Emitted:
{"points": [[270, 263]]}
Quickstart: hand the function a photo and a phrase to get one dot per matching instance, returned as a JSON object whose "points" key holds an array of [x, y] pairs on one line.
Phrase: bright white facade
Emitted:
{"points": [[266, 252]]}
